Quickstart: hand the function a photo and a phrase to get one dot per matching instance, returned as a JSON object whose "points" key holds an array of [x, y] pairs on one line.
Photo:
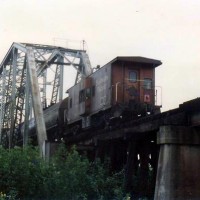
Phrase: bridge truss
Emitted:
{"points": [[24, 74]]}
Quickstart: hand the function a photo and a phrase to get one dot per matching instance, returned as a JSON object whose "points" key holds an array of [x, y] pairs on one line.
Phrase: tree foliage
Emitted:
{"points": [[68, 175]]}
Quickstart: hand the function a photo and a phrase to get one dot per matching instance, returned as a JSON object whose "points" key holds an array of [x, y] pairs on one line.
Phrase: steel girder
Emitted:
{"points": [[23, 87]]}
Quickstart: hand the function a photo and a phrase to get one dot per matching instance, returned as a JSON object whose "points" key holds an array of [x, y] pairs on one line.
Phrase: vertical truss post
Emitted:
{"points": [[36, 100], [13, 97], [27, 110], [19, 98], [58, 82], [85, 68], [3, 79], [78, 77], [44, 89], [86, 65], [61, 59], [7, 107], [55, 86]]}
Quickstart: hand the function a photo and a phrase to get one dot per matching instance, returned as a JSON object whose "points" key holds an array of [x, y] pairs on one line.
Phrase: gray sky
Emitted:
{"points": [[164, 30]]}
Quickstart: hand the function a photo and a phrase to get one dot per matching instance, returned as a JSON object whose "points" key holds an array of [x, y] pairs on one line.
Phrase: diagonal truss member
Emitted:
{"points": [[23, 87]]}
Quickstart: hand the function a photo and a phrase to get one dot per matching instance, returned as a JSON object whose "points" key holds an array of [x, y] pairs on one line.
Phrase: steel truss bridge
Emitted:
{"points": [[24, 74]]}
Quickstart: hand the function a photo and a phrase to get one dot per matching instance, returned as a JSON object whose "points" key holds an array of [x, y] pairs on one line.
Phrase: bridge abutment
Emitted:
{"points": [[178, 174]]}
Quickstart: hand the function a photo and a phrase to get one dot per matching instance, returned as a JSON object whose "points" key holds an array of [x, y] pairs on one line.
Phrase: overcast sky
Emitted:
{"points": [[165, 30]]}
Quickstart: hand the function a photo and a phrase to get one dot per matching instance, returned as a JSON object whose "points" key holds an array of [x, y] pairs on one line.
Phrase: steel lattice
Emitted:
{"points": [[16, 85]]}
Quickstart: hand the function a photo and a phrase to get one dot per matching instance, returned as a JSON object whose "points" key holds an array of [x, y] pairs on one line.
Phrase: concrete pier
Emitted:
{"points": [[178, 173]]}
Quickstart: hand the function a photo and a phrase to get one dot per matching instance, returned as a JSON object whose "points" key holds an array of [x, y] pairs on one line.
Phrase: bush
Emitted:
{"points": [[68, 175]]}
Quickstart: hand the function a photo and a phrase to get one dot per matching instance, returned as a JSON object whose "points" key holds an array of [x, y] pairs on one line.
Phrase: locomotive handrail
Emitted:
{"points": [[116, 90], [160, 94], [137, 80]]}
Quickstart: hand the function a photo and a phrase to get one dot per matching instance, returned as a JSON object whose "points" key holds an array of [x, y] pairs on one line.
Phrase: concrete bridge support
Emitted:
{"points": [[178, 175]]}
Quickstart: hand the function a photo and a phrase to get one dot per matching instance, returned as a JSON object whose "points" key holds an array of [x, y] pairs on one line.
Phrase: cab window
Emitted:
{"points": [[147, 83], [132, 76]]}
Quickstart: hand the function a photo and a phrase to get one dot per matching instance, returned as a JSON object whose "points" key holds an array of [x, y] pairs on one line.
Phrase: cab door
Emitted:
{"points": [[132, 86]]}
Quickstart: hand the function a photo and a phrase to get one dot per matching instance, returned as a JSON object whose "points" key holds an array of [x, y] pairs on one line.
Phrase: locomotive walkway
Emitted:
{"points": [[169, 142]]}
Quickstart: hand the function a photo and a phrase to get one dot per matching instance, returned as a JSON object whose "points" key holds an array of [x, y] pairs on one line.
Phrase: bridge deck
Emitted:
{"points": [[188, 114]]}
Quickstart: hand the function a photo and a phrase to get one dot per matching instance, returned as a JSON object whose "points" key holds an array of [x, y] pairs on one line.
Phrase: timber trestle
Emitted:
{"points": [[159, 153]]}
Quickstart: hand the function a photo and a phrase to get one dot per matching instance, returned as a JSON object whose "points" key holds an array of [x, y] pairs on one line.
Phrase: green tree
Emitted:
{"points": [[68, 175]]}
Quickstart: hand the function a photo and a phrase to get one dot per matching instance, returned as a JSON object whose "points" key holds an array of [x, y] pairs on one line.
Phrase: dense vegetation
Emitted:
{"points": [[68, 175]]}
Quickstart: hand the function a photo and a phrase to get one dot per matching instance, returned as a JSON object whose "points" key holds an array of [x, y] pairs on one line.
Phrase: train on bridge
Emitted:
{"points": [[121, 90], [104, 115]]}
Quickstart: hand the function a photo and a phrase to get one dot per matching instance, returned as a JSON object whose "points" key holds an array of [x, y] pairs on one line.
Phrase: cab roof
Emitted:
{"points": [[137, 59]]}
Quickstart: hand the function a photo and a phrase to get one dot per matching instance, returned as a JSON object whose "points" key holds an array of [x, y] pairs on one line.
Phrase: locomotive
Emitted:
{"points": [[123, 89]]}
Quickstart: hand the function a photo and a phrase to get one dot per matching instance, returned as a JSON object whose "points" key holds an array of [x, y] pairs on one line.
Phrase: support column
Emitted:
{"points": [[143, 175], [178, 174], [100, 151], [131, 166]]}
